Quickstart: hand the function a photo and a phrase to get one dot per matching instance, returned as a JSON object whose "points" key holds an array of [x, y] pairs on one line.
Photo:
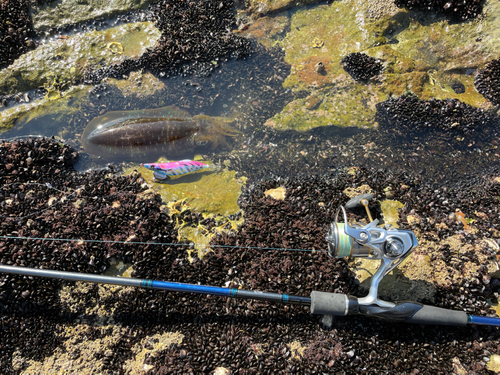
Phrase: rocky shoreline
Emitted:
{"points": [[50, 325], [333, 99]]}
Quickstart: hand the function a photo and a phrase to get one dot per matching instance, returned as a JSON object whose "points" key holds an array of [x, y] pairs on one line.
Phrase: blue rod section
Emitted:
{"points": [[188, 288], [484, 320], [153, 284], [226, 292]]}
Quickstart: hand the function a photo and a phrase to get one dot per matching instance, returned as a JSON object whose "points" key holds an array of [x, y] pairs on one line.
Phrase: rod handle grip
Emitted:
{"points": [[437, 315], [336, 304]]}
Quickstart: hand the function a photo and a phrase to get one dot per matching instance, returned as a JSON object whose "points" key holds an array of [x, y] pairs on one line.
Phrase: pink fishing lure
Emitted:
{"points": [[163, 171]]}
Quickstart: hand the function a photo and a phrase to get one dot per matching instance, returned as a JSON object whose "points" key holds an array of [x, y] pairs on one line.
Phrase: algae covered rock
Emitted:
{"points": [[208, 190], [431, 59], [65, 12], [64, 60], [54, 111], [138, 84], [349, 104]]}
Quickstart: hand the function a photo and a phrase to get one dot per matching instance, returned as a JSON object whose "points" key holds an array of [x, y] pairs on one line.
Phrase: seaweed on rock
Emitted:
{"points": [[196, 37]]}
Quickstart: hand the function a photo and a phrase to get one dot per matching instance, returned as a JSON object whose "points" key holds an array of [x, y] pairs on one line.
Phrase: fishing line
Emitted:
{"points": [[47, 185], [67, 195], [192, 245], [157, 243]]}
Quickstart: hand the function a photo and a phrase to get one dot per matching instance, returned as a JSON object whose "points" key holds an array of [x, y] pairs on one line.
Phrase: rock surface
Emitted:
{"points": [[65, 12]]}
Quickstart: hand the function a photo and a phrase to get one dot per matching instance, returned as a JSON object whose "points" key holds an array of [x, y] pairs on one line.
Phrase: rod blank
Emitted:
{"points": [[154, 284]]}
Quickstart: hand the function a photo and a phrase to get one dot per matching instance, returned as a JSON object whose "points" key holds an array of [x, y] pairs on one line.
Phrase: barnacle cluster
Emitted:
{"points": [[487, 81], [409, 113], [196, 38], [453, 10], [361, 67]]}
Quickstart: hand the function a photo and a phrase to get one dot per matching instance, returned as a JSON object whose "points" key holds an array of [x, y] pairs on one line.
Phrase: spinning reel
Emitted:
{"points": [[389, 245]]}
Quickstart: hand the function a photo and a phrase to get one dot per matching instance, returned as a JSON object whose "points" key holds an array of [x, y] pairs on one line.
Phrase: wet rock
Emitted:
{"points": [[62, 62], [59, 12]]}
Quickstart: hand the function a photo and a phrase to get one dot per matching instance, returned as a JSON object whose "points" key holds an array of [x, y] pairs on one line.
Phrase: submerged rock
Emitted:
{"points": [[63, 12], [45, 110], [64, 60], [432, 59], [138, 85]]}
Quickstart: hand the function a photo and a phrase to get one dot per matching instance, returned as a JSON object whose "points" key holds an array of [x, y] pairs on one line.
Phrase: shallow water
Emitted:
{"points": [[258, 88]]}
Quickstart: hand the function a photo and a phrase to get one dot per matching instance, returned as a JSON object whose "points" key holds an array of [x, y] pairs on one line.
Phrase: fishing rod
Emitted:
{"points": [[389, 245]]}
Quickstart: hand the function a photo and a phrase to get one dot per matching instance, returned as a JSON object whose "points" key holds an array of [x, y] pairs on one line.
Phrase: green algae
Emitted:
{"points": [[494, 363], [350, 104], [205, 190], [62, 12], [340, 29], [427, 58], [52, 109], [390, 210], [65, 60], [213, 193], [138, 84]]}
